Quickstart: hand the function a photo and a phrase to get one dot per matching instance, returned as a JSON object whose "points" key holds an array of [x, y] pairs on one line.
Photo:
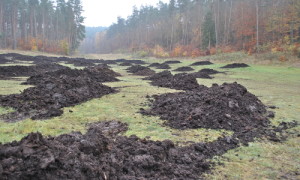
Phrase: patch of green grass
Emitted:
{"points": [[5, 110], [12, 86]]}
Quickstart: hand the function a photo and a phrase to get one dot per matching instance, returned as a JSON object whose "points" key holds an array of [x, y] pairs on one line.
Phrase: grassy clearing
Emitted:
{"points": [[274, 85]]}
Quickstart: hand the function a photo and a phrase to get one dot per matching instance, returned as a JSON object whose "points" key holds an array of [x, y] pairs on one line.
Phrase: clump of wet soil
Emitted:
{"points": [[184, 68], [56, 90], [178, 81], [236, 65], [172, 62], [201, 63], [140, 70]]}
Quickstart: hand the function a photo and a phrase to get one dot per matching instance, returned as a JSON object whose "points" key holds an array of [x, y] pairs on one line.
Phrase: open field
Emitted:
{"points": [[275, 85]]}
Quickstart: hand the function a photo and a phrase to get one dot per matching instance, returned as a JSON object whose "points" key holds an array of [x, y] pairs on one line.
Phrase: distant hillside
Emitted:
{"points": [[88, 44]]}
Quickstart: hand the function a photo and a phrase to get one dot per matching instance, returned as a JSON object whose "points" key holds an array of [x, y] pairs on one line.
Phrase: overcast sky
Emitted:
{"points": [[105, 12]]}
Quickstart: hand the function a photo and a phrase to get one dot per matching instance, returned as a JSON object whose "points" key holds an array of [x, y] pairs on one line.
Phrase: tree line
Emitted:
{"points": [[201, 27], [54, 26]]}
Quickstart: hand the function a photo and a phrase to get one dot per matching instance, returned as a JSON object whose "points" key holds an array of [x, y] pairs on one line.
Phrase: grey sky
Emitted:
{"points": [[105, 12]]}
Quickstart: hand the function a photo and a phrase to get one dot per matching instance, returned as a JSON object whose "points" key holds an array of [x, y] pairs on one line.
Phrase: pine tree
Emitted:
{"points": [[208, 36]]}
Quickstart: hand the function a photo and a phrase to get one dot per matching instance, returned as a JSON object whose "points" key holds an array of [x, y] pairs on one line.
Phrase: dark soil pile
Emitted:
{"points": [[54, 91], [209, 71], [154, 65], [160, 66], [140, 70], [172, 62], [184, 68], [126, 64], [23, 71], [96, 73], [95, 155], [4, 60], [236, 65], [163, 66], [205, 73], [228, 106], [102, 154], [130, 61], [178, 81], [201, 63]]}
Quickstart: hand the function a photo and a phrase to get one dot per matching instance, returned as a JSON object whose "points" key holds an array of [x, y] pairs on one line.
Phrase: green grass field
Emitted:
{"points": [[274, 85]]}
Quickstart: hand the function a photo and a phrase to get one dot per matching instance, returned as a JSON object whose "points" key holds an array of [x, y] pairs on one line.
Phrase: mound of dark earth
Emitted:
{"points": [[130, 61], [22, 71], [103, 154], [205, 73], [209, 71], [172, 62], [4, 59], [140, 70], [56, 90], [236, 65], [126, 64], [179, 81], [184, 68], [228, 106], [95, 155], [160, 66], [201, 63], [96, 73]]}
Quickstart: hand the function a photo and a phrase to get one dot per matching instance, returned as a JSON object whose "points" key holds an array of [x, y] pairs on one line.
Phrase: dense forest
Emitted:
{"points": [[202, 27], [43, 25]]}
